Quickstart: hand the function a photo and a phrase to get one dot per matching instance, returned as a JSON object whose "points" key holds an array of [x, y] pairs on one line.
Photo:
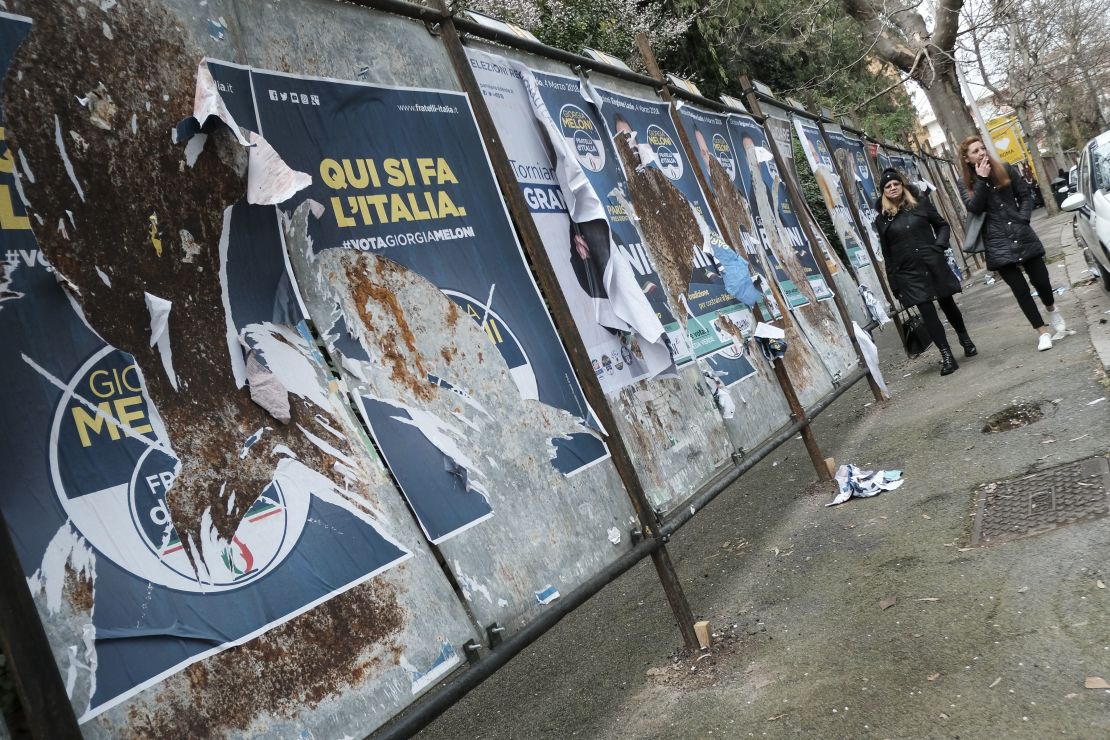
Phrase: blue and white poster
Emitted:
{"points": [[650, 128], [92, 463], [589, 137], [772, 208], [849, 152], [832, 192], [401, 173]]}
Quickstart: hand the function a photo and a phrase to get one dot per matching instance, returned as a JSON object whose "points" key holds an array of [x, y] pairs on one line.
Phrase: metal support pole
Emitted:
{"points": [[564, 322], [783, 378], [30, 659], [807, 226]]}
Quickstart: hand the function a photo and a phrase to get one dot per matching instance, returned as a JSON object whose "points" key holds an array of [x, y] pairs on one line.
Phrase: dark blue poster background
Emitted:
{"points": [[402, 172], [76, 486], [650, 122], [749, 140]]}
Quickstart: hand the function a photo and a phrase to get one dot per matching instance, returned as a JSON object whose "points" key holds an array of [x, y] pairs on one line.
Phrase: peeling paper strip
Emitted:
{"points": [[159, 309], [208, 102], [871, 357], [269, 179], [60, 141], [547, 595]]}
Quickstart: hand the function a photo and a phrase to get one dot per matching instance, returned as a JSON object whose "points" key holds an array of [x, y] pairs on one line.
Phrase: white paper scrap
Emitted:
{"points": [[159, 309]]}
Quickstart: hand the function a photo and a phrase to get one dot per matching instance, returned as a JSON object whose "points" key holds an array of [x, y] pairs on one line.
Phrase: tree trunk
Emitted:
{"points": [[948, 105]]}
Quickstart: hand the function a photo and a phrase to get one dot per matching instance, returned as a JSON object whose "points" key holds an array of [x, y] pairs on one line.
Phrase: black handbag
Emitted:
{"points": [[915, 335]]}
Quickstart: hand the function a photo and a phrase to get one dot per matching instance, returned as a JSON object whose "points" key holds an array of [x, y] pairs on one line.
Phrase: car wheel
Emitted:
{"points": [[1105, 277]]}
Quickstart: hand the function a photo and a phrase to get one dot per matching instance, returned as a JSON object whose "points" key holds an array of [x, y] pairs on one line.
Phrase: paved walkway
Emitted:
{"points": [[982, 642]]}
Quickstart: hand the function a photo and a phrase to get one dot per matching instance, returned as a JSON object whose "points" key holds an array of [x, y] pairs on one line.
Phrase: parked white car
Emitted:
{"points": [[1092, 201]]}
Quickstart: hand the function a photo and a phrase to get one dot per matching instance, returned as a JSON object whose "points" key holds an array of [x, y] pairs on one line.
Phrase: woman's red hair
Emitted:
{"points": [[999, 176]]}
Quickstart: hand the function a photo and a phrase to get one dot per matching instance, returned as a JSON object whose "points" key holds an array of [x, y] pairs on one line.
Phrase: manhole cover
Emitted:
{"points": [[1042, 501]]}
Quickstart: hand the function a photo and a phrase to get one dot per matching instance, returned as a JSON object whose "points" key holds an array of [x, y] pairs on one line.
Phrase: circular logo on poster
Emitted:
{"points": [[862, 169], [112, 467], [666, 152], [508, 346], [723, 152], [252, 551], [582, 137]]}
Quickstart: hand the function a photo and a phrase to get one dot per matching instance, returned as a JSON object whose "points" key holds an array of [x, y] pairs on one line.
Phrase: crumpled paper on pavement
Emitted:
{"points": [[856, 483]]}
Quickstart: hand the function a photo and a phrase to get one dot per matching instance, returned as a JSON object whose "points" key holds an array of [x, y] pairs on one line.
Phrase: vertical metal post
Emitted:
{"points": [[30, 659], [861, 227], [564, 323], [783, 378], [807, 225]]}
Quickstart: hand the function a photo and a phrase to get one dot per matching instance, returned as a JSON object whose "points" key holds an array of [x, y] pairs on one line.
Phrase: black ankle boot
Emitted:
{"points": [[947, 362], [968, 345]]}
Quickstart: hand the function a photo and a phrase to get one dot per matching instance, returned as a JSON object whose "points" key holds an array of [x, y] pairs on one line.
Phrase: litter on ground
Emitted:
{"points": [[856, 483]]}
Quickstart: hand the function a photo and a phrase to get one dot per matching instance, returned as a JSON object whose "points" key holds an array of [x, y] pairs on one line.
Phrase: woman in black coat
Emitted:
{"points": [[914, 236], [999, 192]]}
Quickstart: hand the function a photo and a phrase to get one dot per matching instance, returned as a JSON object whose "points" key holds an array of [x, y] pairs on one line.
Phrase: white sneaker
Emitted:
{"points": [[1059, 328], [1045, 342]]}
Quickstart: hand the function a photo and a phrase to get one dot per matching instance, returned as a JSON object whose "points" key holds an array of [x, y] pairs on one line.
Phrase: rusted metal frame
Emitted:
{"points": [[564, 324], [30, 658], [783, 378], [861, 227], [809, 228]]}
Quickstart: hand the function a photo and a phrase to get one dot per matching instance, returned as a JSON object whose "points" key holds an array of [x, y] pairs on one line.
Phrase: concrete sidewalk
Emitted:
{"points": [[982, 641]]}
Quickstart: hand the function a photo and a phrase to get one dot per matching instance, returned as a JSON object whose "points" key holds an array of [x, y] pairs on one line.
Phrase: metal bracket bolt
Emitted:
{"points": [[493, 633], [473, 651]]}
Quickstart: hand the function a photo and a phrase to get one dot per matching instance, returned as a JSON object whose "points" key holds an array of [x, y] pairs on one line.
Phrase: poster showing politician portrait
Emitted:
{"points": [[646, 126], [773, 210], [851, 155], [617, 323], [833, 191]]}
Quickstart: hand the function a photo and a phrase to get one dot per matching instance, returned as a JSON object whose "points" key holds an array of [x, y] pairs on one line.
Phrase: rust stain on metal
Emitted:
{"points": [[289, 669], [78, 589], [735, 210], [667, 224], [407, 369], [149, 71]]}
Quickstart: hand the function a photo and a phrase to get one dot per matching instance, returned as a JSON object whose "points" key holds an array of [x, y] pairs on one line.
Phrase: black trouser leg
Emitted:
{"points": [[1016, 280], [952, 313], [1037, 271], [932, 324]]}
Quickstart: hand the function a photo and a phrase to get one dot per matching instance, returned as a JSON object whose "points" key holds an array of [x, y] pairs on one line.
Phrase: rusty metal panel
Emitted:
{"points": [[818, 321], [546, 530], [834, 194], [671, 426], [120, 211]]}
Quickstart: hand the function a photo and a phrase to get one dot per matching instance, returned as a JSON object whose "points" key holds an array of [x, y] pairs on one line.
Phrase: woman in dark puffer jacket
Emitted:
{"points": [[998, 191], [913, 236]]}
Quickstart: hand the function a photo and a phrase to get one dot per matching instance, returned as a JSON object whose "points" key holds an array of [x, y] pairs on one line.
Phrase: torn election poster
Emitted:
{"points": [[856, 483], [618, 324]]}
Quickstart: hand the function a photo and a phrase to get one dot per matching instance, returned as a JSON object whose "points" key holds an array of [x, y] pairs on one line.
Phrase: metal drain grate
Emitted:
{"points": [[1042, 501]]}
